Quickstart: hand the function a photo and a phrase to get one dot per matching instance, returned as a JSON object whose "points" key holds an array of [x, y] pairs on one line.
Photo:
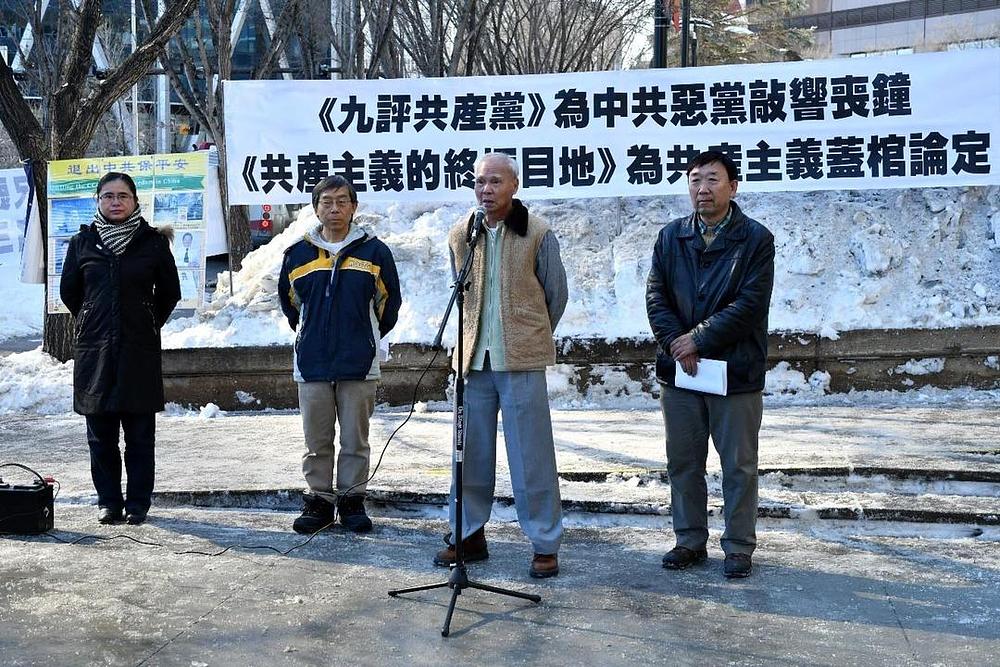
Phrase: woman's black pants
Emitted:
{"points": [[106, 460]]}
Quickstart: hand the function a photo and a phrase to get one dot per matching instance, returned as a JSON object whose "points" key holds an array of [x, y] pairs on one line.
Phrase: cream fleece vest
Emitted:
{"points": [[524, 317]]}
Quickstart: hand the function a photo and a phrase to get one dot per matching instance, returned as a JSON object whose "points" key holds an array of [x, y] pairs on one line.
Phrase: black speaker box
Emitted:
{"points": [[26, 509]]}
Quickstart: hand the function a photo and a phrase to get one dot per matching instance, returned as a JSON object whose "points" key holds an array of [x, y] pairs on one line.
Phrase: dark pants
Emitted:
{"points": [[733, 422], [106, 462]]}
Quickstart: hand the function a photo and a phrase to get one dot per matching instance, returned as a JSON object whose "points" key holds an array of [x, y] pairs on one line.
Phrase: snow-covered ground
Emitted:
{"points": [[35, 382], [924, 258], [845, 260], [21, 306]]}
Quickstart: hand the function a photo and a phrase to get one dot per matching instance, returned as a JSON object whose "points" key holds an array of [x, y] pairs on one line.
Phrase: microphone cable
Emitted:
{"points": [[267, 547]]}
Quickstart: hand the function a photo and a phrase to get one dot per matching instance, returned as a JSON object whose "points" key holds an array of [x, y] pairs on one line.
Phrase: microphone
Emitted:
{"points": [[477, 225]]}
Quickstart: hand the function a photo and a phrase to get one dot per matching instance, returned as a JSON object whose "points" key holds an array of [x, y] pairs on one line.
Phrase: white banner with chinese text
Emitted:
{"points": [[14, 191], [885, 122]]}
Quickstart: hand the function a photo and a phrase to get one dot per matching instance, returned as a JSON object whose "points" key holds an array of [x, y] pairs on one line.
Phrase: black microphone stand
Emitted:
{"points": [[459, 578]]}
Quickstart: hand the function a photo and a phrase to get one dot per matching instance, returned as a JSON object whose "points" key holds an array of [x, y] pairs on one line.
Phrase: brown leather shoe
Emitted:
{"points": [[544, 565], [473, 549]]}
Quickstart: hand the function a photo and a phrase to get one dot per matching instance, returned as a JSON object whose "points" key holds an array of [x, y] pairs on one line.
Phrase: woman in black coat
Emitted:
{"points": [[120, 282]]}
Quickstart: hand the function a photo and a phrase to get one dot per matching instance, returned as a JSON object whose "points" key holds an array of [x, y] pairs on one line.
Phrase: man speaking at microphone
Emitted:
{"points": [[516, 297]]}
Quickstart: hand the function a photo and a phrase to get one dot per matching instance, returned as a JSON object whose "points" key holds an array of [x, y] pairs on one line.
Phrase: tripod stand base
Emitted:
{"points": [[457, 581]]}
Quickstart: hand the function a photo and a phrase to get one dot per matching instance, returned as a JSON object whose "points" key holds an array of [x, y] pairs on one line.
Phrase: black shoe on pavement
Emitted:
{"points": [[352, 514], [473, 549], [109, 516], [680, 558], [737, 566], [317, 514], [135, 518]]}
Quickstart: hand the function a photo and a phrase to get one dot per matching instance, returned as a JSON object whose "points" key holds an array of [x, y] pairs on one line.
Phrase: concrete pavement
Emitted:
{"points": [[829, 598], [824, 591]]}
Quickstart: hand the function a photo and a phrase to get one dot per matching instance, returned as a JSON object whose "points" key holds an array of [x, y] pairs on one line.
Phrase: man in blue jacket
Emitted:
{"points": [[708, 295], [340, 292]]}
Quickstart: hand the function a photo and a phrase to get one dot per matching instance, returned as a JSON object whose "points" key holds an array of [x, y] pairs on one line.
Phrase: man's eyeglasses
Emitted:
{"points": [[340, 202], [111, 196]]}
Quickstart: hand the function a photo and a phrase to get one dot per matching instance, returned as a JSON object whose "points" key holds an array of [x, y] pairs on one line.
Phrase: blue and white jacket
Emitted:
{"points": [[340, 299]]}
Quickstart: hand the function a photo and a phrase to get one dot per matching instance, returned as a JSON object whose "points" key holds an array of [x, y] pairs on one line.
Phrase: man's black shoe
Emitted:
{"points": [[317, 514], [108, 516], [352, 514], [680, 558], [737, 566]]}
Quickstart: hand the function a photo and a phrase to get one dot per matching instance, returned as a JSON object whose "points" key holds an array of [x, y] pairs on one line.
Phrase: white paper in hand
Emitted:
{"points": [[710, 378]]}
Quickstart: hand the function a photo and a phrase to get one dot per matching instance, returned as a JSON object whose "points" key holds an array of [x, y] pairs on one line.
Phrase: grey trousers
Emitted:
{"points": [[734, 424], [323, 405], [523, 399]]}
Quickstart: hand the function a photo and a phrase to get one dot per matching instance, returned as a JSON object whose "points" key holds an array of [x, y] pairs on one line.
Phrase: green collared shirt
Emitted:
{"points": [[710, 233], [490, 337]]}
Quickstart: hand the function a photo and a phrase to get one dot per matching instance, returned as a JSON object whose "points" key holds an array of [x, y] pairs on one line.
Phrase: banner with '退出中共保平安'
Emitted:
{"points": [[171, 191], [883, 122]]}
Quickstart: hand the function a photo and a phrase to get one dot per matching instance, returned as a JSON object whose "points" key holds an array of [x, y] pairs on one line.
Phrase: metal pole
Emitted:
{"points": [[660, 24], [163, 133], [694, 46], [135, 92], [685, 28]]}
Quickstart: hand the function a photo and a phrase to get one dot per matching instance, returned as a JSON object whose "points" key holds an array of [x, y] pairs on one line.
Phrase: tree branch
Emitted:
{"points": [[18, 119], [121, 78], [283, 31], [73, 71]]}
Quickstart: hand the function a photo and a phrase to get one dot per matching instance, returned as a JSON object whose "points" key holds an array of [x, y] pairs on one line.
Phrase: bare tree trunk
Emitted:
{"points": [[237, 222], [73, 111]]}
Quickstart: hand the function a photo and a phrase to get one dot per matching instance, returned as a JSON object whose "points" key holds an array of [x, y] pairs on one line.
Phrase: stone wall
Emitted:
{"points": [[247, 378]]}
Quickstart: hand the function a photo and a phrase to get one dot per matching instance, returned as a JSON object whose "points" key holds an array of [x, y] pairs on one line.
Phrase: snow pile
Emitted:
{"points": [[783, 379], [249, 313], [926, 395], [875, 248], [607, 387], [921, 366], [246, 398], [417, 235], [35, 382], [211, 411], [178, 410], [925, 258], [882, 259]]}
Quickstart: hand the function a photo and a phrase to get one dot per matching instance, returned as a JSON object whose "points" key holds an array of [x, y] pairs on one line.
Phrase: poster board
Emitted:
{"points": [[172, 191]]}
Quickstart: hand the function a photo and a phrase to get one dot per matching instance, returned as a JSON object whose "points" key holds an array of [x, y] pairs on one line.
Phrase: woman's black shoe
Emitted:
{"points": [[108, 516], [135, 518]]}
